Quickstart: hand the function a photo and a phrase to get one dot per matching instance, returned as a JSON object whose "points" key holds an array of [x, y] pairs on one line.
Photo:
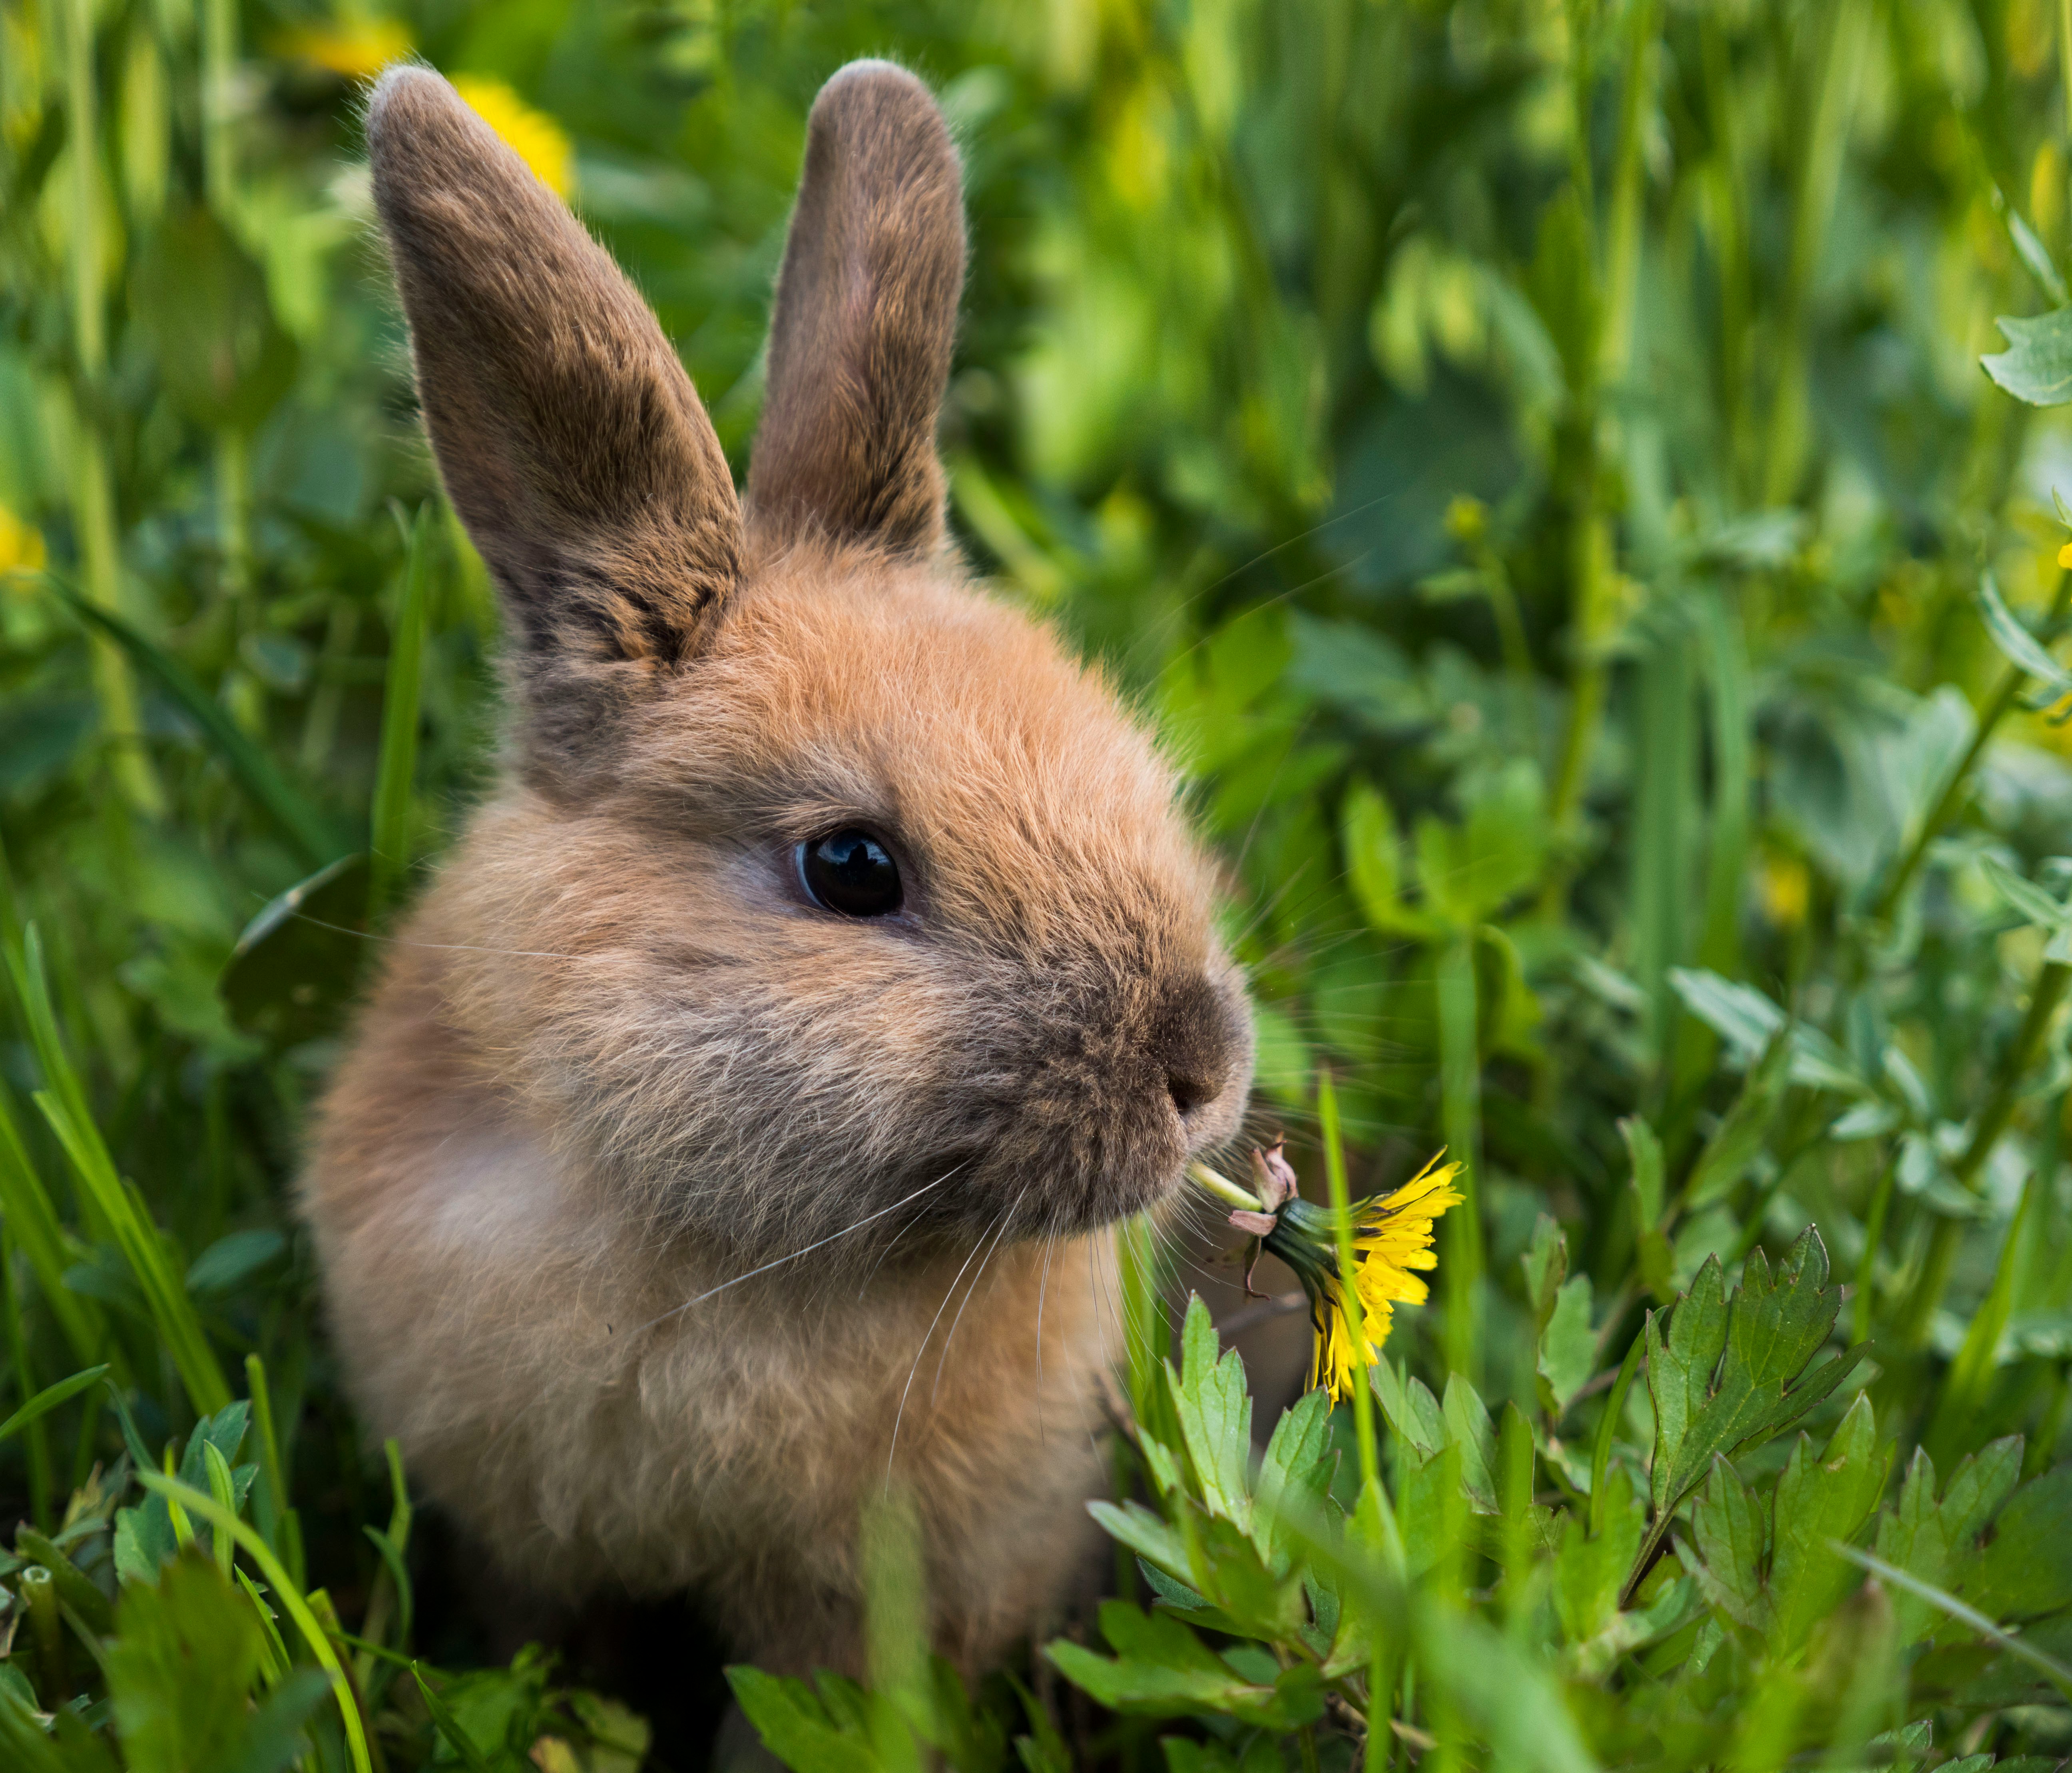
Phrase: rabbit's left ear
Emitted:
{"points": [[866, 315]]}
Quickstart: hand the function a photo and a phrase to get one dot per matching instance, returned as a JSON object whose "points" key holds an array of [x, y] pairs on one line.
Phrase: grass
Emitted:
{"points": [[1532, 461]]}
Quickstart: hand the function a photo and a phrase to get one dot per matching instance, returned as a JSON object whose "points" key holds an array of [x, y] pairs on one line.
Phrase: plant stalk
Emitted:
{"points": [[1948, 1235]]}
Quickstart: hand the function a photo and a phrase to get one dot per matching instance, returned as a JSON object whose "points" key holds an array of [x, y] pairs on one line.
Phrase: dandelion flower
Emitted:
{"points": [[541, 143], [353, 49], [1391, 1238]]}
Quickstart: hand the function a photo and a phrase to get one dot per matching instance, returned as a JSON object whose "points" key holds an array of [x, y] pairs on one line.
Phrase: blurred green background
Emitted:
{"points": [[1531, 458]]}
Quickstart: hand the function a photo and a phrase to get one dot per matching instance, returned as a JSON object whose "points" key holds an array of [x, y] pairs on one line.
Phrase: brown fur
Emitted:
{"points": [[619, 1058]]}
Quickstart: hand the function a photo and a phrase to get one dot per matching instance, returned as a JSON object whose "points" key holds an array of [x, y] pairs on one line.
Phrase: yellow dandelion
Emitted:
{"points": [[1392, 1241], [540, 143], [352, 49], [1392, 1244], [21, 545], [2064, 555]]}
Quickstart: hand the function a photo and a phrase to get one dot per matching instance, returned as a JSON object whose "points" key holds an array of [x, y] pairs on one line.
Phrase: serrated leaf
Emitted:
{"points": [[1160, 1669], [1820, 1502], [1214, 1410], [795, 1727], [2036, 366], [1728, 1376], [2025, 1571], [184, 1657], [1144, 1533], [1294, 1476], [1730, 1535]]}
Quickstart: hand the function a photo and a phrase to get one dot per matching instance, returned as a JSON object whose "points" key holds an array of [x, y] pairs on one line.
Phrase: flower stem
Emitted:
{"points": [[1224, 1188]]}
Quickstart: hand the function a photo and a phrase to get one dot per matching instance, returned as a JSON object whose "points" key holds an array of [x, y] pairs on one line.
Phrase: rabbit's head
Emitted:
{"points": [[824, 887]]}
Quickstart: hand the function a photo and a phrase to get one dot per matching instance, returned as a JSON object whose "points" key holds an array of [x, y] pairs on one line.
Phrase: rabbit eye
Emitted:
{"points": [[850, 872]]}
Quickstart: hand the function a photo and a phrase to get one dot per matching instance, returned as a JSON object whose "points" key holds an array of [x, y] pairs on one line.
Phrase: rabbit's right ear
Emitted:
{"points": [[570, 440]]}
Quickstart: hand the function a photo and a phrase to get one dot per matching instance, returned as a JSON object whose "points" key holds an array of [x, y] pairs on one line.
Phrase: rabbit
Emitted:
{"points": [[736, 1128]]}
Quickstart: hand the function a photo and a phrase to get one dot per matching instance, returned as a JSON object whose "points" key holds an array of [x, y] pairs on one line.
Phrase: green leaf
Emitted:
{"points": [[1730, 1535], [1468, 1429], [234, 1258], [1567, 1350], [2031, 902], [1412, 1410], [2026, 1571], [1374, 864], [1144, 1533], [2036, 366], [1214, 1410], [1160, 1669], [1728, 1376], [2021, 649], [182, 1663], [1294, 1476], [1589, 1567], [1818, 1503], [1748, 1022]]}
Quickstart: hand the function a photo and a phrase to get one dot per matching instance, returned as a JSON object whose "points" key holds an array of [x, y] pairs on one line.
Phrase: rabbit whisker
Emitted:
{"points": [[900, 1414], [1006, 1220], [807, 1250]]}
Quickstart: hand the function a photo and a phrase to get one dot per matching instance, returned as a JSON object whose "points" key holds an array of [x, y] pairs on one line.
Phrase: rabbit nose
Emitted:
{"points": [[1194, 1043]]}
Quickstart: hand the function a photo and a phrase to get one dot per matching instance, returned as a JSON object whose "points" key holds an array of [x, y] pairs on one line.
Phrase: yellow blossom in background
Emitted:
{"points": [[1785, 888], [352, 48], [21, 546], [541, 143], [2065, 556], [1392, 1240]]}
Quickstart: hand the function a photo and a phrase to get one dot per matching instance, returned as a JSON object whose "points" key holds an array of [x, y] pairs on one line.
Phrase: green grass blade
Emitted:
{"points": [[1945, 1602], [252, 769], [106, 1198], [25, 1204], [47, 1400], [389, 840]]}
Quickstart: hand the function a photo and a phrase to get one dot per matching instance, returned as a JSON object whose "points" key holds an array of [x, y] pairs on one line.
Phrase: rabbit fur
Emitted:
{"points": [[619, 1059]]}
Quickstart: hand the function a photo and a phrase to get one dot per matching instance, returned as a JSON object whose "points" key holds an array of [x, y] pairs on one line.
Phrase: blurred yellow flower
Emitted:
{"points": [[353, 48], [21, 545], [2064, 555], [1784, 887], [541, 143]]}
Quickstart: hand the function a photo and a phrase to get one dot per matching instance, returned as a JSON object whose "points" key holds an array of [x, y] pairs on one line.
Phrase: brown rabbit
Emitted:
{"points": [[823, 905]]}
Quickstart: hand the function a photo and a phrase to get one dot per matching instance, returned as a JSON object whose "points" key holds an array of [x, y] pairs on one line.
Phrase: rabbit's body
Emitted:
{"points": [[666, 1209]]}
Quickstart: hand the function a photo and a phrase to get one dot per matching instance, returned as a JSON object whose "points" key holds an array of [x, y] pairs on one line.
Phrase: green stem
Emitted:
{"points": [[1820, 174], [93, 503], [34, 1436], [1955, 790], [1460, 1098], [1860, 1319], [1349, 1294], [1948, 1235]]}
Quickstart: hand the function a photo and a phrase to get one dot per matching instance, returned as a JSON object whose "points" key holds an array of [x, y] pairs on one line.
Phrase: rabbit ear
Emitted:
{"points": [[866, 314], [569, 438]]}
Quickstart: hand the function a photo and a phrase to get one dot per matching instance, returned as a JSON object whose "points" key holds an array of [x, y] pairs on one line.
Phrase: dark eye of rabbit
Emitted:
{"points": [[850, 872]]}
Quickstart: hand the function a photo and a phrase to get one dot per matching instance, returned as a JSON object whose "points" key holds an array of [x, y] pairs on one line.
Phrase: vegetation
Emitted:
{"points": [[1532, 458]]}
